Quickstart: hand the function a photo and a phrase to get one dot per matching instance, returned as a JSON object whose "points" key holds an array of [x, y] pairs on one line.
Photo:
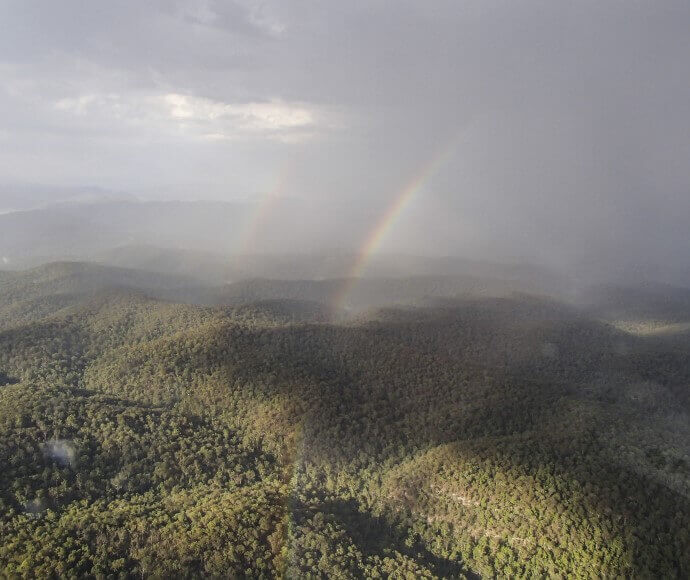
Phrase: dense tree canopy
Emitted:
{"points": [[493, 437]]}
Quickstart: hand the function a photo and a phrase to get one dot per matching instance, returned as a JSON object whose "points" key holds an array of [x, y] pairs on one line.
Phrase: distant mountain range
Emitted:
{"points": [[79, 229], [30, 197], [220, 242]]}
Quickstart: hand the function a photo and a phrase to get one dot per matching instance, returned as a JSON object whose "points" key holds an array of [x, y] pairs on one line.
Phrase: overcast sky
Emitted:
{"points": [[566, 124]]}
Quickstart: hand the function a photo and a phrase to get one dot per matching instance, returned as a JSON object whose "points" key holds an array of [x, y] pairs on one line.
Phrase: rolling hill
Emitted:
{"points": [[477, 434]]}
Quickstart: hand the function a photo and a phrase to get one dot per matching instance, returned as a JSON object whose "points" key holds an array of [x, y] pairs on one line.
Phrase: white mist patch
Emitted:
{"points": [[62, 451], [35, 506], [5, 260]]}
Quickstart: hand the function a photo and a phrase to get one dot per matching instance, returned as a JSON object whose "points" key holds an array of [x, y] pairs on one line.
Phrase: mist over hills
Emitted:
{"points": [[230, 241], [23, 197], [79, 229], [72, 282], [210, 279], [202, 240]]}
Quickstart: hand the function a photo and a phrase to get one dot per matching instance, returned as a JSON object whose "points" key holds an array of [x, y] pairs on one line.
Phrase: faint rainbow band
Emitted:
{"points": [[389, 218], [257, 218]]}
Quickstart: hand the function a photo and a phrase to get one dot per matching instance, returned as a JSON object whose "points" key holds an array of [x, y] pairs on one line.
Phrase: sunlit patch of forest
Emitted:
{"points": [[475, 436]]}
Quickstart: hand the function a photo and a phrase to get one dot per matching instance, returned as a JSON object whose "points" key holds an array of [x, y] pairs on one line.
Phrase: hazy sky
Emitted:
{"points": [[566, 124]]}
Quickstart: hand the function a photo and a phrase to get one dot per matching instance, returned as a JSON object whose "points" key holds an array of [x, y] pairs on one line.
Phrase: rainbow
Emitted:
{"points": [[388, 219], [246, 239]]}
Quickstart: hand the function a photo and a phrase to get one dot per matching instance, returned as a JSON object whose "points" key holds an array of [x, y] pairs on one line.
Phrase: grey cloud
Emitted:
{"points": [[574, 118]]}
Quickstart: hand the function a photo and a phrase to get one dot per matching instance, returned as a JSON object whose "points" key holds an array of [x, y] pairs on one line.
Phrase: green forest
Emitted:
{"points": [[144, 433]]}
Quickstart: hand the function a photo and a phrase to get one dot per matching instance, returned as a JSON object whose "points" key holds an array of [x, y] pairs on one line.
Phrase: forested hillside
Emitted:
{"points": [[477, 435]]}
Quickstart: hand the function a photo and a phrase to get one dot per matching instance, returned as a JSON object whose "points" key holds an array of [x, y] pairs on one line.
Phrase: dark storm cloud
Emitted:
{"points": [[572, 118]]}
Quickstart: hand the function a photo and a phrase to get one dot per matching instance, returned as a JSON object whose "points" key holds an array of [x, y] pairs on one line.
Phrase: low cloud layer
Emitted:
{"points": [[172, 115], [569, 123]]}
